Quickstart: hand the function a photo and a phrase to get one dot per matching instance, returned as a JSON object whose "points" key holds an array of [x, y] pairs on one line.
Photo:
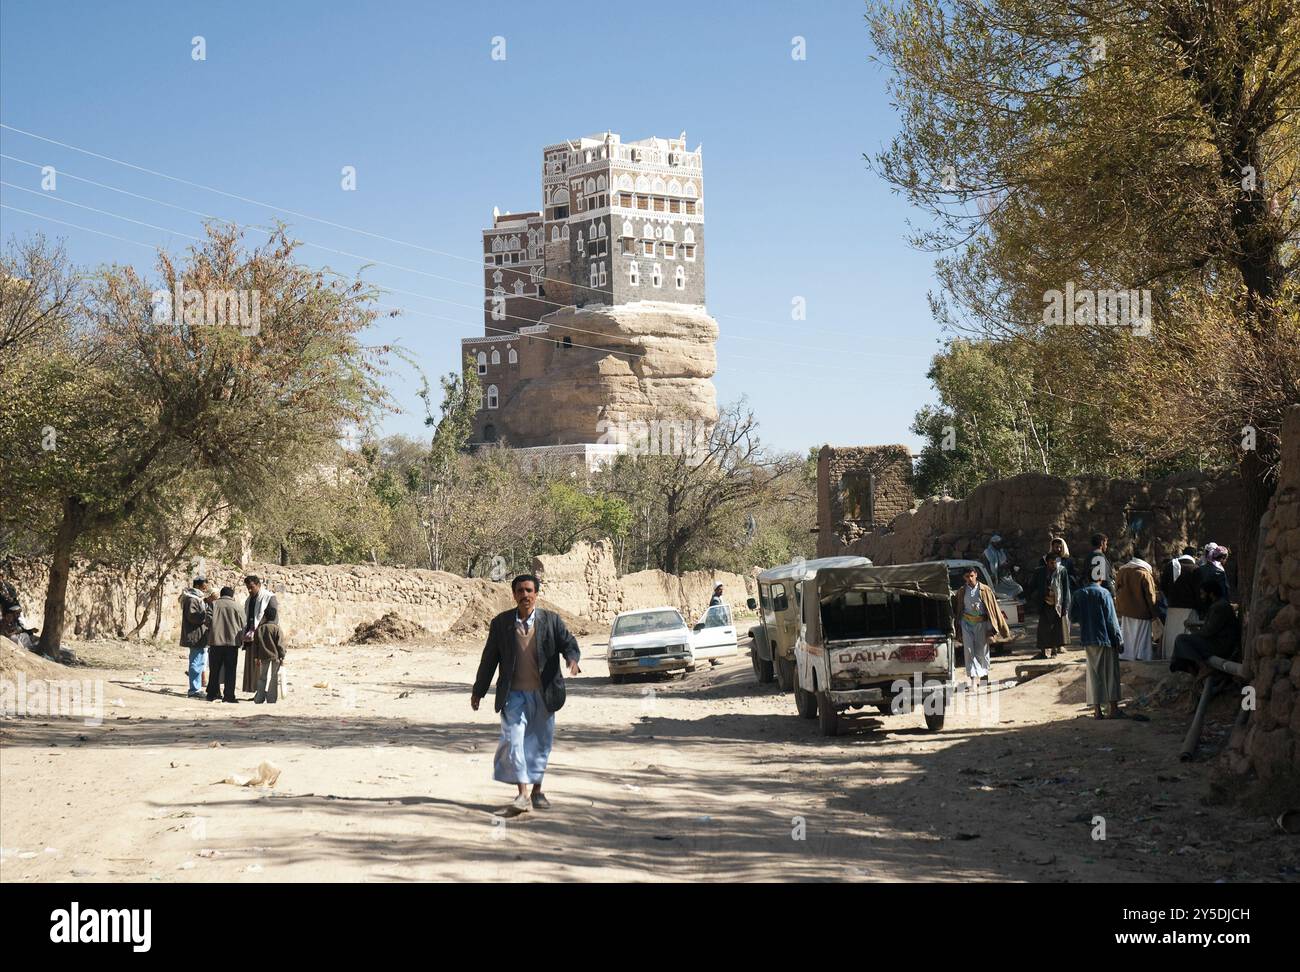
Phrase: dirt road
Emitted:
{"points": [[386, 777]]}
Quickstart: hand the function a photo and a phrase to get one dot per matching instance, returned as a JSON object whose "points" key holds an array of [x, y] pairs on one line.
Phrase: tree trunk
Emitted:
{"points": [[284, 556], [70, 528], [1256, 492]]}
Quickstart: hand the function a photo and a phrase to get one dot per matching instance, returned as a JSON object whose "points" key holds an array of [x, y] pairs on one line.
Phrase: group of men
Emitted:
{"points": [[1115, 609], [214, 628]]}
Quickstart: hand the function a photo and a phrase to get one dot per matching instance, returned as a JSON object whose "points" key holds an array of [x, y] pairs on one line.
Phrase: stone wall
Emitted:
{"points": [[860, 488], [324, 604], [1269, 742], [1027, 509], [583, 582]]}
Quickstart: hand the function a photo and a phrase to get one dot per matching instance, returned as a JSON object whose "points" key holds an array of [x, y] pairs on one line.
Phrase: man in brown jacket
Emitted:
{"points": [[1135, 603], [979, 620]]}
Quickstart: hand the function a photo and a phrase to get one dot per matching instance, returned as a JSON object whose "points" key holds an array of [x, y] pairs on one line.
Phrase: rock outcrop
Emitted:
{"points": [[628, 364]]}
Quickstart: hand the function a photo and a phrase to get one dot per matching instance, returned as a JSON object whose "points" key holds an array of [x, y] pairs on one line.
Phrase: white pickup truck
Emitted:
{"points": [[875, 636]]}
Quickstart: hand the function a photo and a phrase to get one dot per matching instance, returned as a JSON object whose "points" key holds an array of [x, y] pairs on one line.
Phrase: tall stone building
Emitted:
{"points": [[594, 304]]}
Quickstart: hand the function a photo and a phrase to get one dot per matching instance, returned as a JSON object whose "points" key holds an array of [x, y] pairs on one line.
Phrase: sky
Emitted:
{"points": [[439, 132]]}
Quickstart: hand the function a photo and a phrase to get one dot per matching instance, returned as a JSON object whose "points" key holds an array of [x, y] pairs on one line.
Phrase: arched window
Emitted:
{"points": [[581, 247], [600, 183], [600, 230], [675, 187], [496, 277], [519, 292], [489, 433], [688, 236], [535, 274], [564, 233], [512, 356], [555, 234], [642, 184], [681, 278], [648, 231], [482, 363], [668, 234], [492, 396], [496, 356], [657, 185], [633, 274], [562, 197], [591, 186], [627, 227], [514, 242], [656, 276], [625, 181], [691, 190]]}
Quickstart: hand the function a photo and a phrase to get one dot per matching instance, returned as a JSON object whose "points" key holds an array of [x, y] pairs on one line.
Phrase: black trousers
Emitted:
{"points": [[222, 661]]}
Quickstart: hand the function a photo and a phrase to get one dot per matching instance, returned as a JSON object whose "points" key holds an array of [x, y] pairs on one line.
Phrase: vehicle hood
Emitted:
{"points": [[647, 639]]}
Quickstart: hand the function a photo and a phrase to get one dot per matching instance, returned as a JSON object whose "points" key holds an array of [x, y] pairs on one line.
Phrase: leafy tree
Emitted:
{"points": [[1131, 145], [120, 412]]}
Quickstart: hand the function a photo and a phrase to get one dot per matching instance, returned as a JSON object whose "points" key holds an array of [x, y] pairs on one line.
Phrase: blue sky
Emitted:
{"points": [[439, 133]]}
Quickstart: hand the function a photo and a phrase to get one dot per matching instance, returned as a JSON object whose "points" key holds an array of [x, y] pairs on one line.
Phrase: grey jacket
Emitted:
{"points": [[554, 642], [227, 623]]}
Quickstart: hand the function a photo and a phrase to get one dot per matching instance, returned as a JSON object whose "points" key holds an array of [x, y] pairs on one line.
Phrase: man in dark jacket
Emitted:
{"points": [[223, 646], [196, 616], [1219, 635], [527, 644]]}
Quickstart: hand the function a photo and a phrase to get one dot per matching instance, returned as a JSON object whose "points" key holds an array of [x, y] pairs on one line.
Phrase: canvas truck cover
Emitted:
{"points": [[926, 580]]}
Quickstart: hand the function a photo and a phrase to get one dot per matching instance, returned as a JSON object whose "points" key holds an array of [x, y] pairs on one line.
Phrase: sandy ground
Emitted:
{"points": [[386, 776]]}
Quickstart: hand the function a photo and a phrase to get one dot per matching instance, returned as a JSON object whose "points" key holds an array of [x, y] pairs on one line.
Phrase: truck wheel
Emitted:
{"points": [[934, 710], [618, 679], [762, 669], [805, 702], [784, 674], [828, 720]]}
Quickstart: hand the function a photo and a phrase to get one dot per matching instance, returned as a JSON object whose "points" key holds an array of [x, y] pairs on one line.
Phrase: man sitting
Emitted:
{"points": [[1220, 634]]}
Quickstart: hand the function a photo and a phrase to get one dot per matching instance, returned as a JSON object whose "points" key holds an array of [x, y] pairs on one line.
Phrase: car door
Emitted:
{"points": [[714, 634]]}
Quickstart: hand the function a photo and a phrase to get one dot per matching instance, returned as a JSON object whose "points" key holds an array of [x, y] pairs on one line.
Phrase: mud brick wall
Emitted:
{"points": [[860, 489], [1030, 508], [1269, 743]]}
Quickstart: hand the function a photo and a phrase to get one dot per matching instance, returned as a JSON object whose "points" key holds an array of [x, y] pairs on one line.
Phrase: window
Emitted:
{"points": [[633, 274], [681, 278], [659, 204], [625, 200], [496, 356], [648, 247], [568, 341], [565, 232], [629, 246], [670, 251], [519, 292], [581, 245], [489, 433], [555, 234], [688, 236], [492, 396], [656, 276], [689, 252], [600, 229], [674, 205], [642, 202], [594, 272], [512, 356], [482, 363], [690, 208], [668, 233], [602, 273]]}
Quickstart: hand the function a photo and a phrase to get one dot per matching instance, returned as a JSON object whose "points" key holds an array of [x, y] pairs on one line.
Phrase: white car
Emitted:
{"points": [[649, 640], [714, 635]]}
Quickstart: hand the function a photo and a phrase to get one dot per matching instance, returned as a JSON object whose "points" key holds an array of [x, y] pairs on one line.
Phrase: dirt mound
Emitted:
{"points": [[491, 600], [391, 627], [15, 659]]}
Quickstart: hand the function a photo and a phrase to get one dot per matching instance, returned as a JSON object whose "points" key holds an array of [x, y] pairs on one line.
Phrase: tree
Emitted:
{"points": [[701, 489], [1101, 146], [131, 406]]}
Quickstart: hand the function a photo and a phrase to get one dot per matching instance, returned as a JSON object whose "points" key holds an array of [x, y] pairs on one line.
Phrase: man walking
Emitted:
{"points": [[196, 618], [1094, 609], [527, 644], [979, 619], [223, 646]]}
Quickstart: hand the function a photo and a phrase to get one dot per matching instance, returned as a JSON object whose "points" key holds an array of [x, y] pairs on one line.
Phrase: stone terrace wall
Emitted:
{"points": [[1027, 509], [324, 604], [1269, 742], [583, 582]]}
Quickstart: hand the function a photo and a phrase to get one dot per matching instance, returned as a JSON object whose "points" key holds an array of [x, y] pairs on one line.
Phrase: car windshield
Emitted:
{"points": [[635, 624]]}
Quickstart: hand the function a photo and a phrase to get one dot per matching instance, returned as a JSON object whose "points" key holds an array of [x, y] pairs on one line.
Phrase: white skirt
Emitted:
{"points": [[1137, 639], [1175, 624]]}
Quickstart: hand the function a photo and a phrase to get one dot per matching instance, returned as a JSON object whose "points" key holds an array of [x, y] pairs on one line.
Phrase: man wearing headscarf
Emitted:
{"points": [[996, 558], [196, 617], [1135, 602], [1179, 587]]}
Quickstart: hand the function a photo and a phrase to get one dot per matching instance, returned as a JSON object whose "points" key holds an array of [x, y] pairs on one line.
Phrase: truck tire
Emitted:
{"points": [[828, 720], [784, 674], [762, 667], [933, 713], [805, 702], [618, 679]]}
